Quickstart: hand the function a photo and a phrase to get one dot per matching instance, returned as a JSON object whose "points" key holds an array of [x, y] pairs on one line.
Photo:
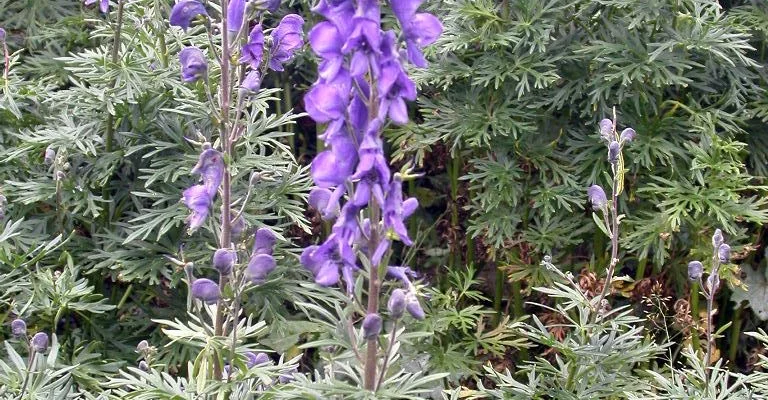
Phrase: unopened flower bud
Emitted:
{"points": [[613, 152], [371, 326], [713, 283], [2, 35], [50, 155], [597, 197], [413, 307], [142, 346], [396, 304], [627, 135], [717, 238], [259, 266], [39, 342], [264, 241], [223, 260], [206, 290], [724, 253], [254, 359], [695, 270], [143, 366], [18, 327], [60, 175], [606, 129]]}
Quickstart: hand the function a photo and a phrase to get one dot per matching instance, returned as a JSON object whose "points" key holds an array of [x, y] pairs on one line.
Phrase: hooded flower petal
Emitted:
{"points": [[396, 303], [252, 81], [333, 167], [198, 201], [194, 65], [224, 260], [372, 326], [325, 103], [286, 39], [597, 197], [210, 166], [206, 290], [259, 266], [235, 13], [253, 51], [326, 41], [185, 11], [264, 241], [422, 31]]}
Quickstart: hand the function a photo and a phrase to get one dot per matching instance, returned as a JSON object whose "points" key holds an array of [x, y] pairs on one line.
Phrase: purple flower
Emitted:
{"points": [[724, 253], [210, 166], [393, 210], [326, 41], [413, 307], [396, 303], [206, 290], [332, 167], [268, 5], [606, 129], [254, 359], [252, 81], [18, 327], [103, 4], [372, 171], [319, 199], [338, 12], [253, 51], [198, 201], [364, 40], [143, 366], [371, 326], [597, 197], [613, 152], [419, 30], [627, 135], [695, 270], [402, 274], [185, 11], [286, 39], [50, 155], [264, 241], [194, 65], [235, 13], [39, 342], [395, 87], [2, 35], [326, 261], [224, 260], [259, 266]]}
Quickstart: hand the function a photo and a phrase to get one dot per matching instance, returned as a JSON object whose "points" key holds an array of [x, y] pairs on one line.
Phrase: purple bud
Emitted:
{"points": [[717, 238], [695, 270], [413, 307], [724, 253], [627, 135], [613, 152], [143, 366], [142, 346], [396, 304], [223, 260], [39, 342], [264, 241], [319, 199], [18, 327], [259, 267], [50, 155], [238, 226], [252, 81], [606, 129], [194, 65], [371, 326], [206, 290], [185, 11], [597, 197], [254, 359]]}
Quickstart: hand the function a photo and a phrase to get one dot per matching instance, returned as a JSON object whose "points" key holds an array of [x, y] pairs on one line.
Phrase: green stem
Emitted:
{"points": [[373, 300], [115, 57], [498, 294], [735, 334], [641, 264], [694, 302]]}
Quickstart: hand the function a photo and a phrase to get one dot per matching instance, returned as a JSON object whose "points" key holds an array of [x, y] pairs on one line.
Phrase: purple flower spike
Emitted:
{"points": [[185, 11], [254, 359], [194, 65], [253, 51], [371, 326], [627, 135], [286, 39], [259, 267], [396, 303], [39, 342], [18, 327], [206, 290], [597, 197], [264, 241], [223, 260], [235, 13]]}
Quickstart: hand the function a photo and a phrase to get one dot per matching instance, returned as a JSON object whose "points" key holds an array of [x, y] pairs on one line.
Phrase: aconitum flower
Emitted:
{"points": [[50, 155], [319, 199], [259, 266], [332, 167], [724, 253], [185, 11], [371, 326], [717, 238], [39, 342], [364, 40], [372, 171], [394, 217], [143, 366], [597, 197], [606, 129], [627, 135], [194, 65], [224, 260], [613, 152], [206, 290], [695, 270], [210, 166], [199, 202], [18, 327], [253, 51], [254, 359], [395, 87], [413, 307], [252, 81], [286, 39], [396, 303], [419, 30], [326, 41], [103, 4], [235, 13]]}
